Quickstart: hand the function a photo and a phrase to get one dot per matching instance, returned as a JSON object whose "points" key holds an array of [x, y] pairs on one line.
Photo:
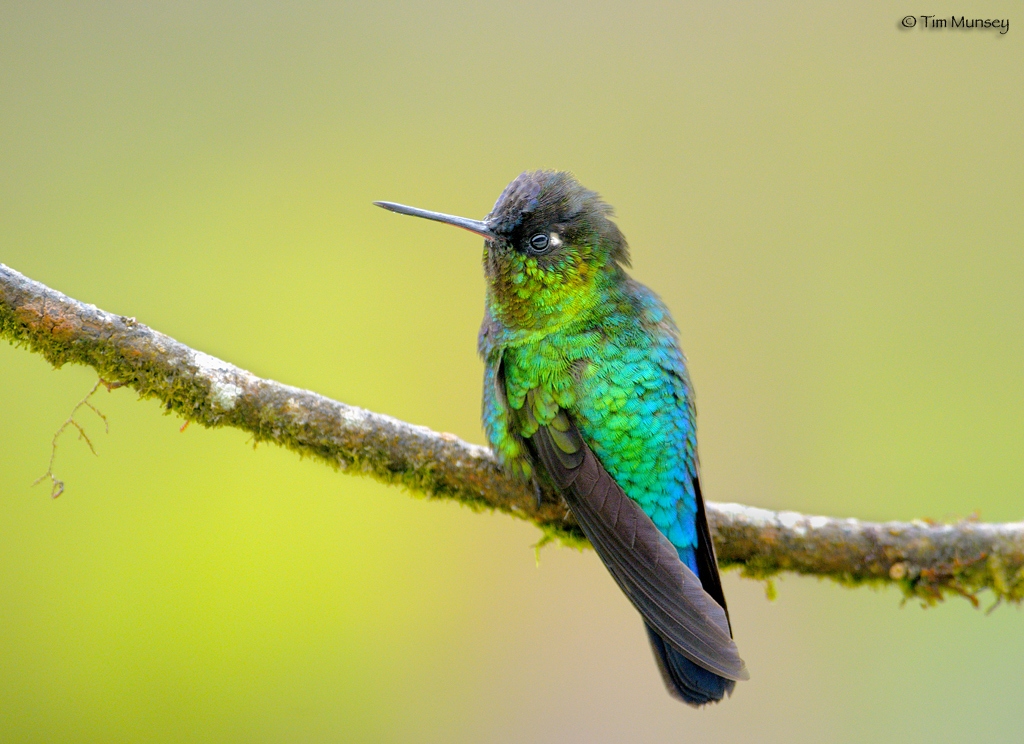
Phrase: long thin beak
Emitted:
{"points": [[474, 226]]}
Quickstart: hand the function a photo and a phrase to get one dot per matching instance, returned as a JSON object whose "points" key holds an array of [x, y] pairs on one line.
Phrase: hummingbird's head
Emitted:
{"points": [[551, 251]]}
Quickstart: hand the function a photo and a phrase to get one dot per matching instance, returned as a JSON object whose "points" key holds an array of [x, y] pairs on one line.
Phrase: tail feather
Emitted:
{"points": [[685, 680]]}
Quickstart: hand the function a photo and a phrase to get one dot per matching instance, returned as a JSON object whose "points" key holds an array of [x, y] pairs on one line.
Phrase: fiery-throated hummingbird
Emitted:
{"points": [[586, 387]]}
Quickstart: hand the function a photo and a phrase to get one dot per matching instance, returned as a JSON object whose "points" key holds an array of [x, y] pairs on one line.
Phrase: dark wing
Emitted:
{"points": [[707, 562], [645, 564]]}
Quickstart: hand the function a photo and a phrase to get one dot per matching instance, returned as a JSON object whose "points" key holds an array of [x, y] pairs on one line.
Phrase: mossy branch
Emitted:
{"points": [[925, 560]]}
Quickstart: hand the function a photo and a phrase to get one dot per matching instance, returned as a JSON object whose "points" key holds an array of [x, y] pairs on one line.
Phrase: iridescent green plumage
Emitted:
{"points": [[586, 387]]}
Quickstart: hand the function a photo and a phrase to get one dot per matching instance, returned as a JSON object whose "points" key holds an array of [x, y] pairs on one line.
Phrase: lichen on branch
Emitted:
{"points": [[926, 560]]}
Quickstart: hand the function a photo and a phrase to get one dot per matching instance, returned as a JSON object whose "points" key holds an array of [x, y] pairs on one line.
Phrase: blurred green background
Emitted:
{"points": [[830, 204]]}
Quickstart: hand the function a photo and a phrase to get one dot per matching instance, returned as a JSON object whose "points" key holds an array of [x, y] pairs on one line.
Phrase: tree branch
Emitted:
{"points": [[926, 560]]}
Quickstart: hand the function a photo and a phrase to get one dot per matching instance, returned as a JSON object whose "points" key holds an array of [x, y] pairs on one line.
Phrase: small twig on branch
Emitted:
{"points": [[925, 560], [57, 485]]}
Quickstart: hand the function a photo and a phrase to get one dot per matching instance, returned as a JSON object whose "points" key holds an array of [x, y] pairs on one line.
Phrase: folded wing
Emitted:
{"points": [[645, 564]]}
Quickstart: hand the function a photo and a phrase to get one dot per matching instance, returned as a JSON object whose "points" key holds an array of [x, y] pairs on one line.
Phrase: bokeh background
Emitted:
{"points": [[830, 204]]}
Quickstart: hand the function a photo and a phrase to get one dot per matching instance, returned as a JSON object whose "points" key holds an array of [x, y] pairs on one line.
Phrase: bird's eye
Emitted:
{"points": [[539, 243]]}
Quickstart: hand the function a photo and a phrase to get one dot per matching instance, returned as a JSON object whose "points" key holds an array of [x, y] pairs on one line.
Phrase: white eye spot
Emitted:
{"points": [[555, 240]]}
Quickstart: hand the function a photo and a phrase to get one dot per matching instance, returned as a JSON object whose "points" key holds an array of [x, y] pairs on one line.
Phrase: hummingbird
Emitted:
{"points": [[586, 388]]}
